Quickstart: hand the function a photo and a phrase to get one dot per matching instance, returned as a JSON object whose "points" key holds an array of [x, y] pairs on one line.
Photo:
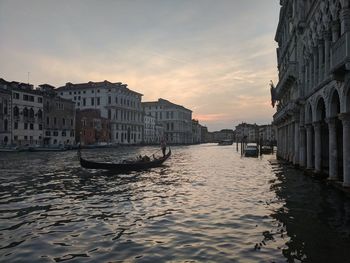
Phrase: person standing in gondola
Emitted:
{"points": [[163, 146]]}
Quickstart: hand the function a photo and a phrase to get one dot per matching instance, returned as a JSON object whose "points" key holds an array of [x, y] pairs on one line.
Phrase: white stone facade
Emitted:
{"points": [[27, 113], [313, 92], [116, 102], [5, 117], [149, 130], [175, 119]]}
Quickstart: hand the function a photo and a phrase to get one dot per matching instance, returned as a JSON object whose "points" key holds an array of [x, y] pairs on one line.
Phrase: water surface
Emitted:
{"points": [[207, 204]]}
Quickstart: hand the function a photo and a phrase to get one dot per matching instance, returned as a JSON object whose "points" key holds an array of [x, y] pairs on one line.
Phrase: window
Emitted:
{"points": [[40, 99], [15, 125], [92, 101], [98, 91], [31, 98], [47, 120], [109, 114], [26, 126], [75, 93], [40, 115], [71, 122], [25, 112], [63, 133], [5, 124], [48, 133], [109, 100], [40, 126], [98, 101], [31, 126], [16, 96], [84, 92], [63, 121], [75, 98], [70, 93], [84, 102], [26, 137], [31, 113], [55, 133], [25, 97], [16, 111], [92, 91], [54, 121], [116, 100]]}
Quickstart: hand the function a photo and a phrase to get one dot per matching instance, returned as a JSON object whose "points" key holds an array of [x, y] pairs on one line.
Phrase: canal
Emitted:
{"points": [[207, 204]]}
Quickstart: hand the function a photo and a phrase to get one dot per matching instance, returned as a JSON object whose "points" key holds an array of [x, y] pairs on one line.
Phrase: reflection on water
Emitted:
{"points": [[206, 204]]}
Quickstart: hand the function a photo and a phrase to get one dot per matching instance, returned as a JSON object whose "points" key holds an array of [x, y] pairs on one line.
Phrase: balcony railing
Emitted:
{"points": [[341, 55], [283, 112], [286, 78]]}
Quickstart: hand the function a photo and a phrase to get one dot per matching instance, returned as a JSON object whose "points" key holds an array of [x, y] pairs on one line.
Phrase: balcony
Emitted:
{"points": [[284, 112], [341, 56], [286, 78]]}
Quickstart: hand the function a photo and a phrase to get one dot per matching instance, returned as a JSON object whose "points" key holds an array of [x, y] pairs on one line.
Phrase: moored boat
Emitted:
{"points": [[226, 142]]}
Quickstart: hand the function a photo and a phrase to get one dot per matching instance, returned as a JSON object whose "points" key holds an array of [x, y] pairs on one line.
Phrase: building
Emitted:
{"points": [[91, 128], [247, 132], [115, 101], [5, 116], [313, 91], [149, 130], [196, 132], [204, 134], [58, 118], [26, 113], [266, 134], [175, 119]]}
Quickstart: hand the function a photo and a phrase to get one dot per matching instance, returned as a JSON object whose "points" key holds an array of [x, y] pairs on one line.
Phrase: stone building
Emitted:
{"points": [[58, 118], [175, 119], [247, 132], [115, 101], [26, 111], [196, 132], [5, 116], [91, 128], [266, 134], [149, 130], [313, 92]]}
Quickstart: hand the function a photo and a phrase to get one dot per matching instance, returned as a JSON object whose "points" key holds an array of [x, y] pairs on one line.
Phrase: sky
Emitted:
{"points": [[215, 57]]}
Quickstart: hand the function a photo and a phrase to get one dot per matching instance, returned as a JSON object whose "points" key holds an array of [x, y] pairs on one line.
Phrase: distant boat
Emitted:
{"points": [[226, 142], [9, 149], [251, 150], [124, 166], [59, 148]]}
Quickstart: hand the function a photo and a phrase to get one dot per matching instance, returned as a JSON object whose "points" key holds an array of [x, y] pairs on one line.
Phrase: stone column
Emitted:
{"points": [[320, 61], [309, 138], [302, 146], [335, 31], [345, 20], [311, 75], [333, 151], [296, 142], [345, 118], [315, 67], [327, 44], [318, 156]]}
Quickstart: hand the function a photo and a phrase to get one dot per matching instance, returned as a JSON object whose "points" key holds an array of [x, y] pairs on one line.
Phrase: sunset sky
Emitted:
{"points": [[215, 57]]}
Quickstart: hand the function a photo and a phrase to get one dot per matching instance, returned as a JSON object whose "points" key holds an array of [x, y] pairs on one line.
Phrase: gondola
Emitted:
{"points": [[124, 166]]}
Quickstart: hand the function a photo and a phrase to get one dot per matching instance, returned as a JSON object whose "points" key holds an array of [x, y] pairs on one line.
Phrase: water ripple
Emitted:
{"points": [[207, 204]]}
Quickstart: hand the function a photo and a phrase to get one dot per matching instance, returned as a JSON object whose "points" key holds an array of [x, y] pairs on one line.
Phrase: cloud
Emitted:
{"points": [[214, 59]]}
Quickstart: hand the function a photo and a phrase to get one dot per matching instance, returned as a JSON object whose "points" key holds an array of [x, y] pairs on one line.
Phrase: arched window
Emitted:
{"points": [[31, 113], [5, 124], [15, 111], [40, 114], [25, 112]]}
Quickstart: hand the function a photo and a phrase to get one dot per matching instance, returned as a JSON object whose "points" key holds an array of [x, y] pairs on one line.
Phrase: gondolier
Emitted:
{"points": [[163, 146]]}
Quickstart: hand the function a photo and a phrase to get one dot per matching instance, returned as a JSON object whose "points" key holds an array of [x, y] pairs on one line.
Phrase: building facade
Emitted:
{"points": [[246, 132], [313, 92], [91, 128], [196, 132], [26, 110], [58, 118], [115, 101], [175, 119], [149, 130], [5, 116]]}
